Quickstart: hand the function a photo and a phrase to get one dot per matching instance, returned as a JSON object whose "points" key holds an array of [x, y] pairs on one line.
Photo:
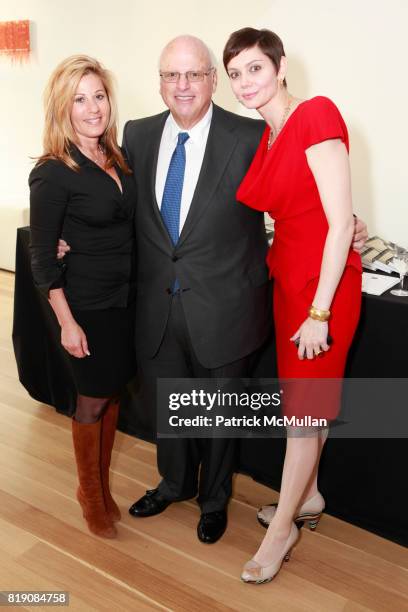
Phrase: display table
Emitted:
{"points": [[363, 481]]}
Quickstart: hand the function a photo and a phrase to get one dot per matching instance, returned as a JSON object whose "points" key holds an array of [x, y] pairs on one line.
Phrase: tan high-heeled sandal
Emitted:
{"points": [[310, 512], [254, 573]]}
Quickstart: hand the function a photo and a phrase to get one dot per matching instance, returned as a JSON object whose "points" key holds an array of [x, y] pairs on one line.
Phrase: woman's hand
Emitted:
{"points": [[360, 235], [73, 340], [313, 338]]}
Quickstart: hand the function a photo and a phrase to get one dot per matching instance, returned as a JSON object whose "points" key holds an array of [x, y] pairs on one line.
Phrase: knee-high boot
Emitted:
{"points": [[87, 447], [109, 421]]}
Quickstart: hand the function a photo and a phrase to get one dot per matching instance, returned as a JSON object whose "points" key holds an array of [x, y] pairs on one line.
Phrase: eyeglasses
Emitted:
{"points": [[192, 76]]}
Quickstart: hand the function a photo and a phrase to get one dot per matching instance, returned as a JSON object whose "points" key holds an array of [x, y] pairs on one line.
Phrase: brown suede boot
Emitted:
{"points": [[109, 420], [87, 445]]}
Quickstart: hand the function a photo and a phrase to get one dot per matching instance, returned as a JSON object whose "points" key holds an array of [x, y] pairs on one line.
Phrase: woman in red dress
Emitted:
{"points": [[300, 175]]}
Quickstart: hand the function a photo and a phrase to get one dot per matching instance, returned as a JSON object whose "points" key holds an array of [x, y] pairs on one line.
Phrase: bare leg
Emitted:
{"points": [[311, 489], [300, 462]]}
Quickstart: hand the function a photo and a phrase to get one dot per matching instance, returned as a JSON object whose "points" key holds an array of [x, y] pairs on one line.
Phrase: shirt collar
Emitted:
{"points": [[197, 132]]}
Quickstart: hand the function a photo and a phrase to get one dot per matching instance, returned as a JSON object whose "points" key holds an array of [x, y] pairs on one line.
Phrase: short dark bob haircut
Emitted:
{"points": [[269, 43]]}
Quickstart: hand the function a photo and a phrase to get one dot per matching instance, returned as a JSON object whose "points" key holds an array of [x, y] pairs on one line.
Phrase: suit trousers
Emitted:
{"points": [[191, 465]]}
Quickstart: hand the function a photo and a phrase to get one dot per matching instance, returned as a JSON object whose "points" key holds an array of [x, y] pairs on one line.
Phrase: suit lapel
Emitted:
{"points": [[152, 158], [220, 145]]}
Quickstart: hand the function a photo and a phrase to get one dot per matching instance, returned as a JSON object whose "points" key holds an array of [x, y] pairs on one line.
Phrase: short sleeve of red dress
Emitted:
{"points": [[321, 120]]}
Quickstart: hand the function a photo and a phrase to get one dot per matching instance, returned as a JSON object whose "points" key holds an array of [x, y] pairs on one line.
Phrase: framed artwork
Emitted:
{"points": [[15, 39]]}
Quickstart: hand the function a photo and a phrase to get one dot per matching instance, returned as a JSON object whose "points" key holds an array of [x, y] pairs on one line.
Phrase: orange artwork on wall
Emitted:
{"points": [[15, 39]]}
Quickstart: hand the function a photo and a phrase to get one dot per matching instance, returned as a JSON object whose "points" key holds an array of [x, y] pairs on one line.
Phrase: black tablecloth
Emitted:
{"points": [[363, 481]]}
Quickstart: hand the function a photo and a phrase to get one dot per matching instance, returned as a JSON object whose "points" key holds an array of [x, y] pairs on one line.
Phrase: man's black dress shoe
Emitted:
{"points": [[150, 504], [211, 526]]}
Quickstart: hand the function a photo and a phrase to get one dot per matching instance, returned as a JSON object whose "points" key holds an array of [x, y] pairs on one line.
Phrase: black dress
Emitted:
{"points": [[88, 210]]}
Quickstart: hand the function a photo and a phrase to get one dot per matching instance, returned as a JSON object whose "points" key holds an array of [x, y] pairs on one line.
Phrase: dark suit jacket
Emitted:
{"points": [[220, 257]]}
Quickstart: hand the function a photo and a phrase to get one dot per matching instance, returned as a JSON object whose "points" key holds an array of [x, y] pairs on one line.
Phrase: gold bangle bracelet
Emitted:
{"points": [[319, 315]]}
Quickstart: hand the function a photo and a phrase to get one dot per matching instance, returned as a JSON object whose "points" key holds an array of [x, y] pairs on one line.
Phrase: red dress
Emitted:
{"points": [[280, 182]]}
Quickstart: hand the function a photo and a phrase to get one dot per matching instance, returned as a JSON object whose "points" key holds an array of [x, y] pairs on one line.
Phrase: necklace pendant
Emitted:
{"points": [[272, 136], [270, 140]]}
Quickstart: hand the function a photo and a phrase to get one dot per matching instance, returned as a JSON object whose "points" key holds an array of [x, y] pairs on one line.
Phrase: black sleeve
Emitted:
{"points": [[48, 202]]}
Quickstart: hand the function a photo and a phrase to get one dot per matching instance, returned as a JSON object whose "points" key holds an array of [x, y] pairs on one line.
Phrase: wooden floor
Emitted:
{"points": [[158, 563]]}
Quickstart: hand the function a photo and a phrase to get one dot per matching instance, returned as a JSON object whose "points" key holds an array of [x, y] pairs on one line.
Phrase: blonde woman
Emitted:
{"points": [[82, 189]]}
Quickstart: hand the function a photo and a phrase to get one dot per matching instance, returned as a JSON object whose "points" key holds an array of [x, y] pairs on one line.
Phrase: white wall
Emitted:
{"points": [[353, 51]]}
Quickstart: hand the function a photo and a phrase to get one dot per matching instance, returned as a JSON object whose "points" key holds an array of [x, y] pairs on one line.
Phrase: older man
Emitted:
{"points": [[203, 293]]}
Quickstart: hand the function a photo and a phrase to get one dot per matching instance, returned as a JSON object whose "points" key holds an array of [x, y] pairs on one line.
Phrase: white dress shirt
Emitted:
{"points": [[195, 148]]}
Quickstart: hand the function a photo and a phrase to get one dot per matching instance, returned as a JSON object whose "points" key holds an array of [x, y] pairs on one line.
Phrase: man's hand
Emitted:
{"points": [[62, 248], [360, 235]]}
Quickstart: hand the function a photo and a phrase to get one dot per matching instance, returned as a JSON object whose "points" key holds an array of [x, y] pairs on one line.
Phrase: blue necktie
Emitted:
{"points": [[173, 188]]}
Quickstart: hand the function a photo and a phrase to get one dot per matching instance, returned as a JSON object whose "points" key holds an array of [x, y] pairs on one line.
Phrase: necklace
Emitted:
{"points": [[272, 136], [99, 158]]}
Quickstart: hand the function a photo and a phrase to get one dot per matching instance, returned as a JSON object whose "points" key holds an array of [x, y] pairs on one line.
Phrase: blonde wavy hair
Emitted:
{"points": [[59, 134]]}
